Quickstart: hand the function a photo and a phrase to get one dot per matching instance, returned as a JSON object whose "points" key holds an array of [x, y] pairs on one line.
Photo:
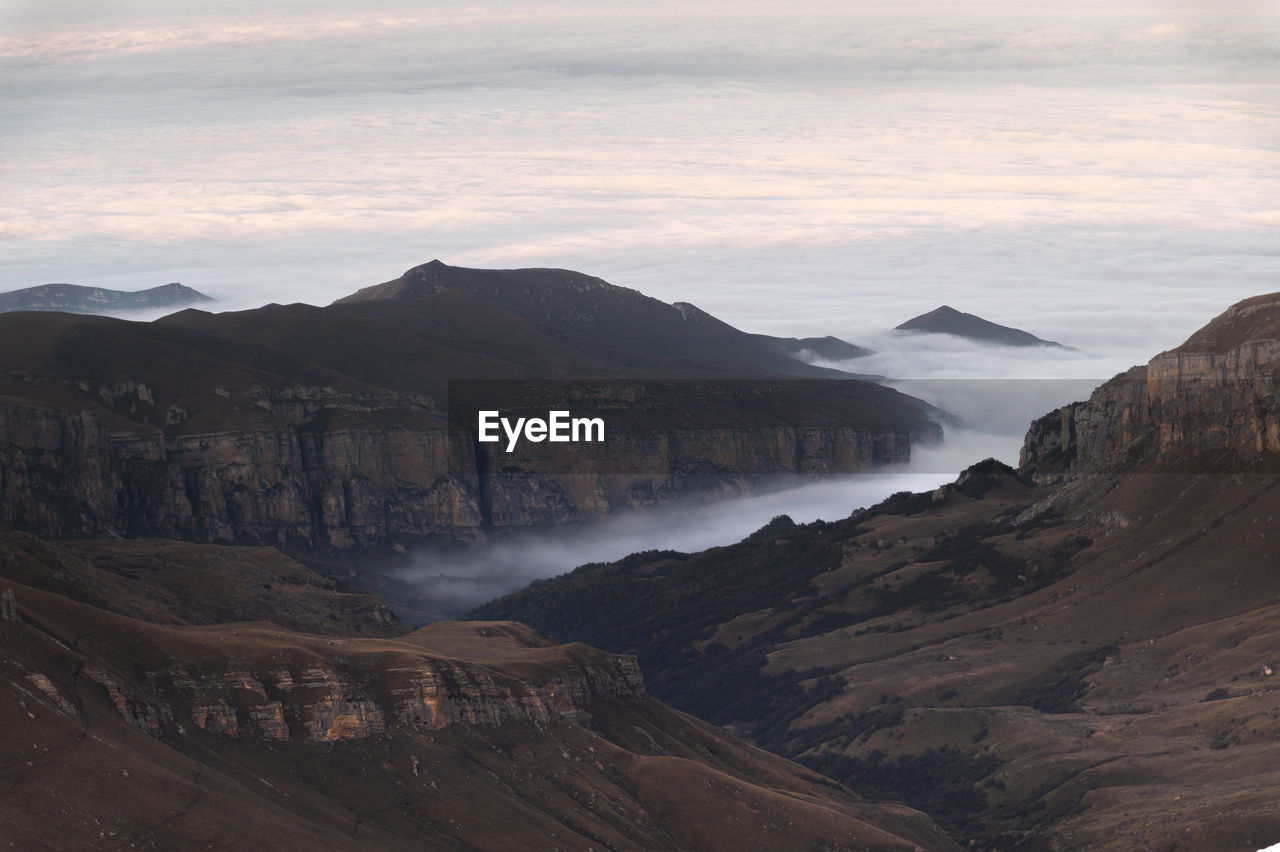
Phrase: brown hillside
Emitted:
{"points": [[1084, 664], [124, 733]]}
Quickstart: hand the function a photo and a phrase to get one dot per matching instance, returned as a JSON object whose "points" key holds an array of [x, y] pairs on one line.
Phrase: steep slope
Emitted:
{"points": [[1084, 663], [1208, 404], [947, 320], [128, 733], [78, 299], [325, 430]]}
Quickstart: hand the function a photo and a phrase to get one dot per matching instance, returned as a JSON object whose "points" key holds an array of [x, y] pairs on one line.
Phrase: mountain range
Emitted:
{"points": [[78, 299], [326, 431], [1076, 654]]}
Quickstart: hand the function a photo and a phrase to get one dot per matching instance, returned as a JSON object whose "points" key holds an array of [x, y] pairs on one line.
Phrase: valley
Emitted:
{"points": [[1073, 654]]}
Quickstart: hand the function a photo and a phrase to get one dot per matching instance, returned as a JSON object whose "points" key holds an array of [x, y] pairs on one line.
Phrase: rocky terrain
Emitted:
{"points": [[1208, 404], [1078, 654], [947, 320], [325, 431], [78, 299], [137, 716]]}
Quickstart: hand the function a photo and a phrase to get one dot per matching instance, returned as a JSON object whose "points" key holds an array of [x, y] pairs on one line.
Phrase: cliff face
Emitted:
{"points": [[66, 474], [270, 690], [458, 736], [1214, 395], [305, 471], [270, 684], [120, 602], [326, 430]]}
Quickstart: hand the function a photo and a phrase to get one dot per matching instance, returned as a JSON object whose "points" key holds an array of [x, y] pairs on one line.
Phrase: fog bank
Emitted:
{"points": [[464, 579]]}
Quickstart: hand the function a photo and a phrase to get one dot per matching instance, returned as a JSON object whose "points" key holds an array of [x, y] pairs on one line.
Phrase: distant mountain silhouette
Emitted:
{"points": [[77, 299], [947, 320], [827, 348]]}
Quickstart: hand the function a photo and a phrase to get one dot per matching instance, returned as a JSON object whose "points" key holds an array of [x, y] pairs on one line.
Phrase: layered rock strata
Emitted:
{"points": [[1215, 394], [298, 476]]}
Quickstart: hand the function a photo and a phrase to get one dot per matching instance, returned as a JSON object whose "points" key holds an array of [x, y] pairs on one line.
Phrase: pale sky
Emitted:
{"points": [[1101, 174]]}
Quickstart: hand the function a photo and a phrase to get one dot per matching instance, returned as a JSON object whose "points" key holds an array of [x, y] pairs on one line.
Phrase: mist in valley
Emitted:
{"points": [[991, 418]]}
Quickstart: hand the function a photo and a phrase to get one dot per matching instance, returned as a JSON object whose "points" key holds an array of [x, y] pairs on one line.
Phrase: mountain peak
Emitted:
{"points": [[948, 320], [436, 276]]}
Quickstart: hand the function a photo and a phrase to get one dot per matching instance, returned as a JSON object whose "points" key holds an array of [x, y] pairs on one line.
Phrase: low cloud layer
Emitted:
{"points": [[460, 581], [1102, 175]]}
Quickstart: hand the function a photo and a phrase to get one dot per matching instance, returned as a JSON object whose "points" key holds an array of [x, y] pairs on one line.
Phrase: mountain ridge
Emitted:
{"points": [[455, 736], [77, 298], [327, 431], [1075, 654]]}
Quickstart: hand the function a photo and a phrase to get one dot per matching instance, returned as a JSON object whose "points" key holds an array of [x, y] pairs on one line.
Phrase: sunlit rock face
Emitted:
{"points": [[1215, 394]]}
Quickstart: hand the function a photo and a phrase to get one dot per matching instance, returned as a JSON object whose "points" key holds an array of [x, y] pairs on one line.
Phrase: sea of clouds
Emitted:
{"points": [[1100, 174]]}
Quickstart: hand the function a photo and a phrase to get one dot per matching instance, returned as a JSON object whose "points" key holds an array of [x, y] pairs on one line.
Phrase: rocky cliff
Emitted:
{"points": [[326, 430], [1209, 402], [137, 599], [1078, 664], [266, 685], [74, 473], [312, 481], [125, 732]]}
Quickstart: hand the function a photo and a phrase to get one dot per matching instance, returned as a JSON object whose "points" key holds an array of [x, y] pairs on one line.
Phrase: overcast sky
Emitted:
{"points": [[1102, 174]]}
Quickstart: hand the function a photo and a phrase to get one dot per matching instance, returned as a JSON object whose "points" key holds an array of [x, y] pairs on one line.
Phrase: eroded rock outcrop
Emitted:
{"points": [[290, 478], [350, 690], [1215, 394], [473, 736]]}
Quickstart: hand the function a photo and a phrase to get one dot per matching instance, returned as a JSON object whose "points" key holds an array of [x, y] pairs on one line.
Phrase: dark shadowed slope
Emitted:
{"points": [[127, 733], [582, 320], [1084, 663]]}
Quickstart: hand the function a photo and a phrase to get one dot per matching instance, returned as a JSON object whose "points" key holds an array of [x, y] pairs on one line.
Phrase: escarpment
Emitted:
{"points": [[266, 683], [328, 430], [459, 735], [1075, 655], [363, 485], [1210, 401], [278, 687]]}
